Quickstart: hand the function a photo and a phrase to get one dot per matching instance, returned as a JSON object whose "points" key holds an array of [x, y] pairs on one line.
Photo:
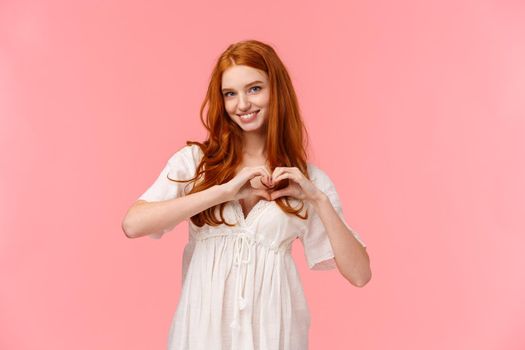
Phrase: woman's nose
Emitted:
{"points": [[243, 103]]}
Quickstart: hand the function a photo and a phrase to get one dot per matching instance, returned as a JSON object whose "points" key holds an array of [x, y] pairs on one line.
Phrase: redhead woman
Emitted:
{"points": [[248, 192]]}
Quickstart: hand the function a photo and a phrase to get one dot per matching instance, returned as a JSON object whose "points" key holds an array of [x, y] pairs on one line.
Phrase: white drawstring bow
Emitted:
{"points": [[242, 244]]}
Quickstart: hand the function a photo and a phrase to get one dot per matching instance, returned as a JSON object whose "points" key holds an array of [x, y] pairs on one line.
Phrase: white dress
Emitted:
{"points": [[240, 286]]}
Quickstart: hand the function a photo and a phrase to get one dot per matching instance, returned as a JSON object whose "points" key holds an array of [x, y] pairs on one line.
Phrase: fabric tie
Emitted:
{"points": [[242, 247]]}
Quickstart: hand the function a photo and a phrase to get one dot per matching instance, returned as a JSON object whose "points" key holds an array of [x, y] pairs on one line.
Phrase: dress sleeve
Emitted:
{"points": [[317, 248], [181, 166]]}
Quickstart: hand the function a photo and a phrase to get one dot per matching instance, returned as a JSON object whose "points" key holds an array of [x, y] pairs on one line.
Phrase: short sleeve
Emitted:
{"points": [[317, 248], [180, 166]]}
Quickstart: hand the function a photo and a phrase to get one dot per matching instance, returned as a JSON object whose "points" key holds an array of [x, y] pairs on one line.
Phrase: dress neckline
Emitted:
{"points": [[253, 213]]}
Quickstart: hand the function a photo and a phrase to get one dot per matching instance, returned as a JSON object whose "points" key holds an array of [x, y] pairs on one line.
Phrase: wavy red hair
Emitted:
{"points": [[287, 137]]}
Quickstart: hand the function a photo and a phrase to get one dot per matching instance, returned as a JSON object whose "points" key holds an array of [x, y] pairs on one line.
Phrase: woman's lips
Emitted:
{"points": [[247, 120]]}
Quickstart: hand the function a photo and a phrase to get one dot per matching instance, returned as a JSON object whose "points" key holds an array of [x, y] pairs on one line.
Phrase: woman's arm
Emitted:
{"points": [[351, 258], [144, 218]]}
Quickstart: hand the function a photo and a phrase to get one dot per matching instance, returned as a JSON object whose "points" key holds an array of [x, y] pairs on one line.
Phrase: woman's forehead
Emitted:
{"points": [[240, 76]]}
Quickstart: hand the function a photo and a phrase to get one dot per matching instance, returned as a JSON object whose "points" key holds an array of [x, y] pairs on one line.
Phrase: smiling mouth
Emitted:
{"points": [[248, 114]]}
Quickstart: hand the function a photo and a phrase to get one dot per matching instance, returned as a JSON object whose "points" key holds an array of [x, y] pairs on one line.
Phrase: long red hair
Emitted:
{"points": [[287, 137]]}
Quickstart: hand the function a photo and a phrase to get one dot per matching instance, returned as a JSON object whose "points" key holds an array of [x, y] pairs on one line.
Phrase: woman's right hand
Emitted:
{"points": [[241, 186]]}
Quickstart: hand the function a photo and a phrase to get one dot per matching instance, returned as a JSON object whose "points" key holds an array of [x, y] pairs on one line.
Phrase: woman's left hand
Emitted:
{"points": [[298, 185]]}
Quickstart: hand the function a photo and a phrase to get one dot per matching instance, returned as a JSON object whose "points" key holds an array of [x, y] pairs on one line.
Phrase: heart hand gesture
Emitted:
{"points": [[299, 187], [258, 181], [249, 181]]}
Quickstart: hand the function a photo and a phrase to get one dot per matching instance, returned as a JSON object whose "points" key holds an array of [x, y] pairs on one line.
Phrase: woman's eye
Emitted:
{"points": [[229, 92]]}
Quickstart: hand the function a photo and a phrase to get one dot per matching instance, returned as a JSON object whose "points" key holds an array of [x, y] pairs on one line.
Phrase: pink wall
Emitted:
{"points": [[425, 100]]}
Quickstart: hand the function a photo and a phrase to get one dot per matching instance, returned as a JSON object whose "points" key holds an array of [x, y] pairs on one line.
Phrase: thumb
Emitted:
{"points": [[280, 193], [262, 193]]}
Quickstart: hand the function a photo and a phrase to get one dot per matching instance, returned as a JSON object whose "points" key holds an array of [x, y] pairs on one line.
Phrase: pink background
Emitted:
{"points": [[415, 109]]}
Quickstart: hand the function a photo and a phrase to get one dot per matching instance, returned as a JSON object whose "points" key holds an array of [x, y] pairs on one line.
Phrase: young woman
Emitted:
{"points": [[253, 194]]}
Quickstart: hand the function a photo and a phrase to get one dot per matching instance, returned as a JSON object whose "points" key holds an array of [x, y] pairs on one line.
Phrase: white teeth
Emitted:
{"points": [[248, 116]]}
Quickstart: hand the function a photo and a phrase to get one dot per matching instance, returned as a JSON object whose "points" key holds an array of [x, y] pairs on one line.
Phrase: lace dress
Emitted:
{"points": [[240, 286]]}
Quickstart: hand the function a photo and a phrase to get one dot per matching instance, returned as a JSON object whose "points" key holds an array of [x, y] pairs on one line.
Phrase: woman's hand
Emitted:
{"points": [[247, 182], [299, 186]]}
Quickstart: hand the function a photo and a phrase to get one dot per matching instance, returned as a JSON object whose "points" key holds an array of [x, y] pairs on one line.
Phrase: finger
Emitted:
{"points": [[263, 171], [266, 182], [296, 171], [280, 193], [287, 176], [276, 172], [265, 177], [263, 193], [268, 179], [256, 172], [281, 170]]}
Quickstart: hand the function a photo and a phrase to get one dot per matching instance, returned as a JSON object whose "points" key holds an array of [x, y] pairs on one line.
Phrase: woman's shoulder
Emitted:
{"points": [[189, 153], [319, 177], [315, 172]]}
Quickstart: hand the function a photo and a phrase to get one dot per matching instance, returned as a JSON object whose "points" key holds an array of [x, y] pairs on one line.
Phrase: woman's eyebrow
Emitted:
{"points": [[253, 82]]}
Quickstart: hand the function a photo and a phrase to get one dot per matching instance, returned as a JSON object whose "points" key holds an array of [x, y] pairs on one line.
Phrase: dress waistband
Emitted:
{"points": [[247, 237]]}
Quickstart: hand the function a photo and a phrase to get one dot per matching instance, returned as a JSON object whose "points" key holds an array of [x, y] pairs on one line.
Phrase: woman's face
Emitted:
{"points": [[245, 90]]}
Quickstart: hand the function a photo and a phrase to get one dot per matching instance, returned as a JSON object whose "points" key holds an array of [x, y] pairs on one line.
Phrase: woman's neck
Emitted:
{"points": [[254, 146]]}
